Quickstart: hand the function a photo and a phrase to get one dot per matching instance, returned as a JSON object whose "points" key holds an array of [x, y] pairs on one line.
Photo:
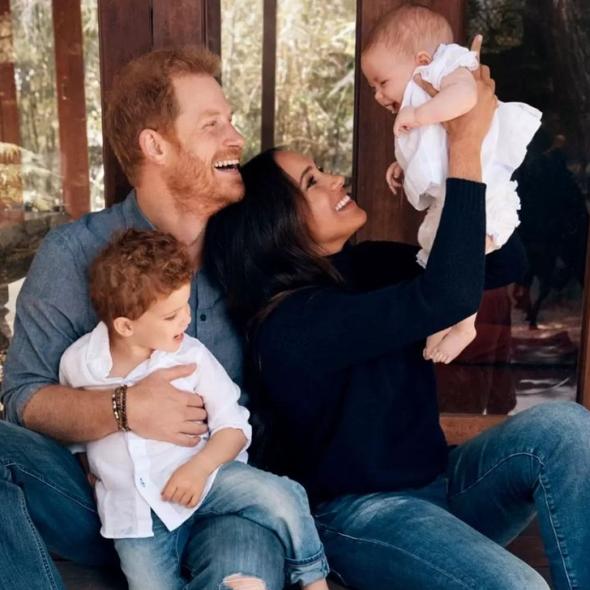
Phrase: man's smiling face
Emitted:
{"points": [[203, 174]]}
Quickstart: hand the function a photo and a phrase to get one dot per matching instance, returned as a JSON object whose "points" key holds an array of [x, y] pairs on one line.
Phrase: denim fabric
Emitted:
{"points": [[448, 535], [45, 501], [47, 505], [53, 308], [274, 502]]}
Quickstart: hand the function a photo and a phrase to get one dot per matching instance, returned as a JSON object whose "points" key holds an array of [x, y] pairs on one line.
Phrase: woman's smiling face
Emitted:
{"points": [[332, 217]]}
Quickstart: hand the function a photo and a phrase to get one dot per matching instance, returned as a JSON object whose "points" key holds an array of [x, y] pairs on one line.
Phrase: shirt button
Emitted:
{"points": [[202, 317]]}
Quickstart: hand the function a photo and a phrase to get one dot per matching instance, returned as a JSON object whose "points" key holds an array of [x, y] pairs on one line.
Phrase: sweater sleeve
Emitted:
{"points": [[506, 265], [332, 329]]}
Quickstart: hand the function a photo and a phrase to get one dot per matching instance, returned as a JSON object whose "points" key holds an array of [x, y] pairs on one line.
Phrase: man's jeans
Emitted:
{"points": [[46, 504], [449, 534], [276, 503]]}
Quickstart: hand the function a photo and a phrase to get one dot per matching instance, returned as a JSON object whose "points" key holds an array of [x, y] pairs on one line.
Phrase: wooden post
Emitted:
{"points": [[178, 23], [213, 25], [11, 183], [125, 31], [269, 61], [389, 218], [71, 105], [9, 119], [131, 28]]}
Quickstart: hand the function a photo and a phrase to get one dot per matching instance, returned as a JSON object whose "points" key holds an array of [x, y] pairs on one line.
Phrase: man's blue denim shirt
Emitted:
{"points": [[53, 308]]}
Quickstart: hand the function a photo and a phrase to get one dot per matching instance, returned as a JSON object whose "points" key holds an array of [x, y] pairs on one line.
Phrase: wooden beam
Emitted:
{"points": [[11, 198], [71, 106], [389, 218], [129, 29], [125, 32], [9, 118], [269, 61], [178, 23], [454, 11], [213, 25]]}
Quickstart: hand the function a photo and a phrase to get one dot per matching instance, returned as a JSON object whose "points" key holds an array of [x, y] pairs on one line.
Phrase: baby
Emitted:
{"points": [[150, 493], [412, 40]]}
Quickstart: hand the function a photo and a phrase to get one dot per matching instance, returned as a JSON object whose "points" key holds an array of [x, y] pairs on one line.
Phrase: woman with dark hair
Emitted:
{"points": [[335, 336]]}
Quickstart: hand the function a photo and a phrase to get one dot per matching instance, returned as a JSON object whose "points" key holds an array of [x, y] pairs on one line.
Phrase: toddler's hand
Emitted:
{"points": [[393, 177], [405, 121], [186, 484]]}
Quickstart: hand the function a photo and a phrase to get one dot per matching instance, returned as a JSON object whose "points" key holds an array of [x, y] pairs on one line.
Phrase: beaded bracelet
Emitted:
{"points": [[119, 405]]}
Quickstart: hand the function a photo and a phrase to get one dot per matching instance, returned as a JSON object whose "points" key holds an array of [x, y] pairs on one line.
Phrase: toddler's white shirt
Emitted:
{"points": [[132, 470]]}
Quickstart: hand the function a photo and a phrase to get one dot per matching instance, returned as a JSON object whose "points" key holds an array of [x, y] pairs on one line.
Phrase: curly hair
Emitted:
{"points": [[143, 97], [134, 270]]}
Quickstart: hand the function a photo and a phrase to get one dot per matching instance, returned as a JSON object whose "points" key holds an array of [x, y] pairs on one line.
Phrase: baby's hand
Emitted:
{"points": [[490, 244], [186, 484], [405, 121], [392, 177]]}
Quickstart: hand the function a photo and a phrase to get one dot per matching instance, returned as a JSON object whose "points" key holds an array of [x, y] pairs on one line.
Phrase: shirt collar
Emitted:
{"points": [[133, 215], [98, 353], [100, 361]]}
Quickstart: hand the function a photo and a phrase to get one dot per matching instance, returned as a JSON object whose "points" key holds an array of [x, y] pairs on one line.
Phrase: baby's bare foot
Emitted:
{"points": [[432, 342], [453, 344]]}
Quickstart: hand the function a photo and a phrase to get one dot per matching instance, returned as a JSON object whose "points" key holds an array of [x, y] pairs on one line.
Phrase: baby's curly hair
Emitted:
{"points": [[134, 270]]}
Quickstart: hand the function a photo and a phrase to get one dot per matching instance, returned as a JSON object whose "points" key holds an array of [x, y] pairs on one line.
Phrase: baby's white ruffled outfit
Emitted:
{"points": [[422, 153]]}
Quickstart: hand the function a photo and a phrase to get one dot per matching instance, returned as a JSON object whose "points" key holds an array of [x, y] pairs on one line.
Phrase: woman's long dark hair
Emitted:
{"points": [[259, 249]]}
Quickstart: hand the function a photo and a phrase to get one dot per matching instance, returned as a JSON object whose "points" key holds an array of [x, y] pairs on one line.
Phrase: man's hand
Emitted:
{"points": [[159, 411], [405, 121], [393, 177], [186, 484]]}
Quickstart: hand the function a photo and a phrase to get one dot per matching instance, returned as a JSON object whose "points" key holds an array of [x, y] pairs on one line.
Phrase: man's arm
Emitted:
{"points": [[155, 409], [53, 310]]}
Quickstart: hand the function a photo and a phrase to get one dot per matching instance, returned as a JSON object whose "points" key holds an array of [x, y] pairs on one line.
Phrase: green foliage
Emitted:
{"points": [[241, 52], [34, 60], [34, 64], [315, 86], [314, 77], [93, 102]]}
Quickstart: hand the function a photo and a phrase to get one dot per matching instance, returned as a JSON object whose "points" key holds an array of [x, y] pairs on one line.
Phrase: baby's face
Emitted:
{"points": [[388, 73]]}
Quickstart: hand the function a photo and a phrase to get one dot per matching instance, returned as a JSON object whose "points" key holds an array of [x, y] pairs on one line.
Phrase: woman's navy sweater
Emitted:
{"points": [[351, 399]]}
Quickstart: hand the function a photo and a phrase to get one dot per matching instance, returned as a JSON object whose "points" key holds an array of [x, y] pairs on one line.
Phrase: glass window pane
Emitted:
{"points": [[93, 102], [315, 79], [241, 51], [49, 109], [528, 339]]}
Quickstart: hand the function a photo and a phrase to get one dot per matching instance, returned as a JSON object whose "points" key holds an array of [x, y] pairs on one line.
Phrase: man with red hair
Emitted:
{"points": [[171, 129]]}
